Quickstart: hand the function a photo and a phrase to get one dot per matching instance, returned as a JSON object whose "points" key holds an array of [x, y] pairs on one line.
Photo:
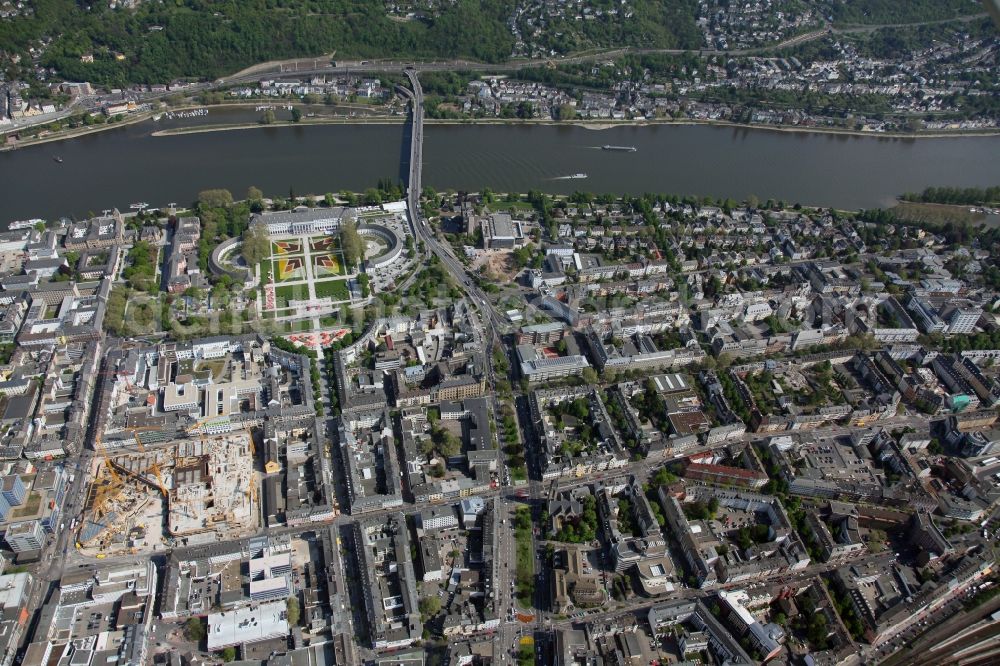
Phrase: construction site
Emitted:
{"points": [[185, 491]]}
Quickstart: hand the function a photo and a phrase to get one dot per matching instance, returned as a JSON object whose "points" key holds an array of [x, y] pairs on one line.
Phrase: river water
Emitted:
{"points": [[118, 167]]}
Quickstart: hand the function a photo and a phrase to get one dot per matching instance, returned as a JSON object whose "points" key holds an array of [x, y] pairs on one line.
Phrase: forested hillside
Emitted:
{"points": [[205, 39], [159, 41]]}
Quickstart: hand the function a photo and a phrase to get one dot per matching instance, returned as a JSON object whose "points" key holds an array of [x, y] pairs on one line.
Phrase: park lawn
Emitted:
{"points": [[287, 269], [939, 214], [288, 292], [335, 289], [265, 270]]}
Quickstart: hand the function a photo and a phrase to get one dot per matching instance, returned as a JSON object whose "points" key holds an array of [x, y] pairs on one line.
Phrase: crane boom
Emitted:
{"points": [[155, 467], [107, 491], [99, 447]]}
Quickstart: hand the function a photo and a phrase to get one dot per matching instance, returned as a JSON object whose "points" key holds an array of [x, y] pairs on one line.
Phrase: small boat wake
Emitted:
{"points": [[575, 176], [615, 149]]}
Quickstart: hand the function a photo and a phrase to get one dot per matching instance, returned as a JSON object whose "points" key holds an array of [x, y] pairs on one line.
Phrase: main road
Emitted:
{"points": [[494, 326]]}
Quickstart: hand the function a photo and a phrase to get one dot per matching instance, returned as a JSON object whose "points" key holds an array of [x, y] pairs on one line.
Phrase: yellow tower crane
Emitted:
{"points": [[155, 467], [106, 491]]}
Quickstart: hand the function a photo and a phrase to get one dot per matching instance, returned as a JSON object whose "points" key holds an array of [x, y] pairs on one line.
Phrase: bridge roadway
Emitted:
{"points": [[416, 155]]}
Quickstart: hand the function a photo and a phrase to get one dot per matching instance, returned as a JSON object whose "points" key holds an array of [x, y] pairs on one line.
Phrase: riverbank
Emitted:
{"points": [[591, 125], [595, 125], [142, 116], [605, 125], [843, 131], [78, 132], [944, 215], [305, 122]]}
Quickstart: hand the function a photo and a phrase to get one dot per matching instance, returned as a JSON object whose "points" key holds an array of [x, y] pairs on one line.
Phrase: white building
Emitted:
{"points": [[247, 625], [961, 320], [757, 311], [304, 221], [25, 536], [437, 518]]}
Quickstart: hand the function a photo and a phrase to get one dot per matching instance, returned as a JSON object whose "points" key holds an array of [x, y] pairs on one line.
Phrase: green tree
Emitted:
{"points": [[365, 283], [194, 630], [429, 607], [447, 444], [566, 112], [817, 631], [114, 316], [292, 610], [217, 198], [256, 244], [296, 114], [228, 654], [267, 118], [142, 267], [350, 243], [663, 477]]}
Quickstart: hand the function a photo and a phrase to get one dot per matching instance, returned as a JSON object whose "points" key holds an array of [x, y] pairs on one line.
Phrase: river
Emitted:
{"points": [[128, 164]]}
